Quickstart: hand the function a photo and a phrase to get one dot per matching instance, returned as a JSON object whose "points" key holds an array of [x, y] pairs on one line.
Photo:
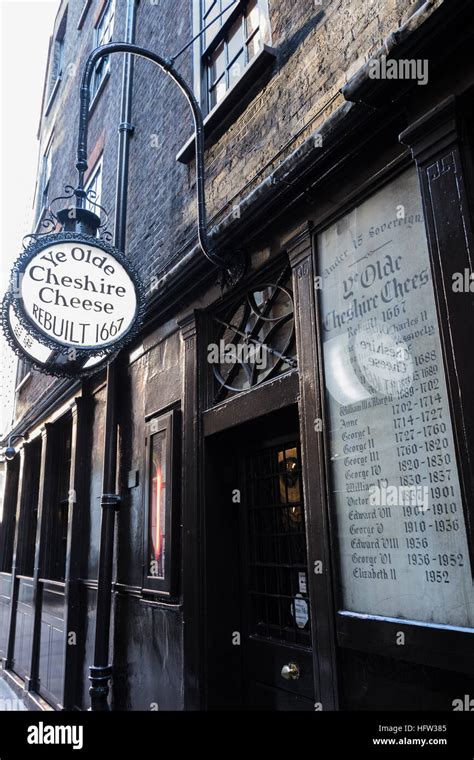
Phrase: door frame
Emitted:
{"points": [[287, 388], [300, 387], [286, 433]]}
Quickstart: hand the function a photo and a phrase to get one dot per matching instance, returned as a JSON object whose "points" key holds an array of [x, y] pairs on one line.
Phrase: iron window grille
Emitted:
{"points": [[229, 44], [277, 561], [253, 340]]}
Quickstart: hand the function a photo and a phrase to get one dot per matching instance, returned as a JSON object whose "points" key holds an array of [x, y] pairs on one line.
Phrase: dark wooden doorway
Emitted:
{"points": [[258, 652]]}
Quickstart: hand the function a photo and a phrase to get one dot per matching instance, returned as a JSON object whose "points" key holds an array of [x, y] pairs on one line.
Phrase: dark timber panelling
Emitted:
{"points": [[5, 590], [51, 648], [23, 627]]}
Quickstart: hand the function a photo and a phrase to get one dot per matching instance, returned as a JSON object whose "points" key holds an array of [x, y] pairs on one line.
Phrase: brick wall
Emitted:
{"points": [[319, 47]]}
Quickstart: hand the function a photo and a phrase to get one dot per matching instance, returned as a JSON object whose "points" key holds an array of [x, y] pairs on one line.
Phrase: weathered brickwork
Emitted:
{"points": [[319, 46]]}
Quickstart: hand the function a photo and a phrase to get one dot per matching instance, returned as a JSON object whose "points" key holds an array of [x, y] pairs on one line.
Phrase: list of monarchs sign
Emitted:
{"points": [[394, 479]]}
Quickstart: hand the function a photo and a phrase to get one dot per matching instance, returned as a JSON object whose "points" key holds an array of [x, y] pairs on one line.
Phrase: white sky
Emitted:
{"points": [[25, 28]]}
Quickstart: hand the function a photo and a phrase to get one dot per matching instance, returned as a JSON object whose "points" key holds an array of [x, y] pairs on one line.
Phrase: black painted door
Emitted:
{"points": [[257, 605], [277, 657]]}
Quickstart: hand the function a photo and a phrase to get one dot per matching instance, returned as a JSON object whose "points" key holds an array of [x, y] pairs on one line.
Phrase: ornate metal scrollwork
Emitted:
{"points": [[40, 357], [255, 339], [51, 222]]}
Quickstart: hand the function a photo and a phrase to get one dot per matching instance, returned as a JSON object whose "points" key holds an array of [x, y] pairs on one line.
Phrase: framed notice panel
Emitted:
{"points": [[395, 492], [160, 534]]}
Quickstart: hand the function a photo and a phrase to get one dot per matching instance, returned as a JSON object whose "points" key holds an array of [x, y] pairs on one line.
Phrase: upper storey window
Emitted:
{"points": [[45, 177], [56, 66], [94, 188], [229, 44], [103, 34]]}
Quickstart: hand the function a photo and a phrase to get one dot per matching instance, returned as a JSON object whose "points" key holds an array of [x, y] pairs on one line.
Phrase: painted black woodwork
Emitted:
{"points": [[9, 514], [244, 673], [300, 252], [192, 517]]}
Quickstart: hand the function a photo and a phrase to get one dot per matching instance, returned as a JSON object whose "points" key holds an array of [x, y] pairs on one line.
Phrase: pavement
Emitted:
{"points": [[8, 698]]}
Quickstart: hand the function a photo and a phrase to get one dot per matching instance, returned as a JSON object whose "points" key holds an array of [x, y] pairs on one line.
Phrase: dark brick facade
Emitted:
{"points": [[319, 47], [272, 187]]}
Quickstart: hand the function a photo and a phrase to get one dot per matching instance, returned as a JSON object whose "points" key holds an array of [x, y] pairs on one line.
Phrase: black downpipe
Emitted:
{"points": [[101, 670]]}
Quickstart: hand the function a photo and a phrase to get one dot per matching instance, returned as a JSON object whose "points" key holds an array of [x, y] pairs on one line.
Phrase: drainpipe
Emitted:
{"points": [[101, 670]]}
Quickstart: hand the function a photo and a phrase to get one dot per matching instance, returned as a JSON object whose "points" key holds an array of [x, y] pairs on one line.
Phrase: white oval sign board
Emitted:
{"points": [[78, 295]]}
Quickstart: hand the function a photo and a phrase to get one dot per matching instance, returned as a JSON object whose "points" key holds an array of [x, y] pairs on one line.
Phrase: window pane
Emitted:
{"points": [[214, 11], [45, 177], [224, 4], [235, 40], [218, 92], [105, 26], [253, 17], [94, 189], [47, 165], [103, 35], [157, 511], [58, 59], [217, 63], [254, 46], [235, 71], [238, 45]]}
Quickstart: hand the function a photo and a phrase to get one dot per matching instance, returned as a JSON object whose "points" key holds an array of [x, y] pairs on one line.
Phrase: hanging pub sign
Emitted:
{"points": [[74, 301], [42, 358]]}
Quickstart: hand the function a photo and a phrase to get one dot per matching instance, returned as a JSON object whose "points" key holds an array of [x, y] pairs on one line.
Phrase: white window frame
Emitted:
{"points": [[44, 178], [216, 36], [56, 57], [94, 182]]}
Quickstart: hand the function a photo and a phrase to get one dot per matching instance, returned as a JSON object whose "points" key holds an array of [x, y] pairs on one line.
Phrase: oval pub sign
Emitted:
{"points": [[75, 291]]}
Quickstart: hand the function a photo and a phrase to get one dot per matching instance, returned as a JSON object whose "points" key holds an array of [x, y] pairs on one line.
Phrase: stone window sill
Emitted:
{"points": [[230, 102]]}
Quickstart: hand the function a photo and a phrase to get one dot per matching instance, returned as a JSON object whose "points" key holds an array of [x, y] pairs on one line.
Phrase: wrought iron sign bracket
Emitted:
{"points": [[233, 270], [126, 127]]}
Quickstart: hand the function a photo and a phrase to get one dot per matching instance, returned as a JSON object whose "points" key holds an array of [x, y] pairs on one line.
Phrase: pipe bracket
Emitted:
{"points": [[110, 501]]}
